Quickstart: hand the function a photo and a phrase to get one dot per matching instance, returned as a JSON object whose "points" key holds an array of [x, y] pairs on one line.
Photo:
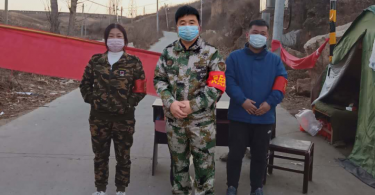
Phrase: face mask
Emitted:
{"points": [[257, 41], [115, 45], [188, 33]]}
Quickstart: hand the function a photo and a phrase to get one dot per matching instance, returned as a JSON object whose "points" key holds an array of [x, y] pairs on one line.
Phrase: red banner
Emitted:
{"points": [[298, 63], [56, 55]]}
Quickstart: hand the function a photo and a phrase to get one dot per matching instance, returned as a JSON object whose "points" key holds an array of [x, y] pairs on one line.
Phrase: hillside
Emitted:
{"points": [[95, 23]]}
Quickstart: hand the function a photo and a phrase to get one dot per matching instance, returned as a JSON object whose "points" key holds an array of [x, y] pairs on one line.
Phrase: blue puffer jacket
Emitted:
{"points": [[252, 76]]}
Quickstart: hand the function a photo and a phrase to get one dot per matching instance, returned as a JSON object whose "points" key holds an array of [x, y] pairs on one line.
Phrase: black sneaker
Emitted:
{"points": [[259, 191], [232, 191]]}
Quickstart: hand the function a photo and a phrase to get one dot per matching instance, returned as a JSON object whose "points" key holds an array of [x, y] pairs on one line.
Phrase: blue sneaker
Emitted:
{"points": [[259, 191], [232, 191]]}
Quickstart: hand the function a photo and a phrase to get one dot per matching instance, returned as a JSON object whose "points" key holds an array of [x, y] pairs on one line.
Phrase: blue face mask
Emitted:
{"points": [[188, 33], [257, 41]]}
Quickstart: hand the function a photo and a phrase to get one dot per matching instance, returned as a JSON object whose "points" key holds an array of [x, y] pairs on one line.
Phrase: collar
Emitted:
{"points": [[104, 58], [115, 53], [259, 56], [197, 45]]}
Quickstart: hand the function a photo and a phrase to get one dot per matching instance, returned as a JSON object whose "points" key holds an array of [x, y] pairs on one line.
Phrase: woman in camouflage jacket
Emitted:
{"points": [[113, 84]]}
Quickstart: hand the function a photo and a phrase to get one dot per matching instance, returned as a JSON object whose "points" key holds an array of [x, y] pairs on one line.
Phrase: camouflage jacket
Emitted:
{"points": [[110, 91], [181, 74]]}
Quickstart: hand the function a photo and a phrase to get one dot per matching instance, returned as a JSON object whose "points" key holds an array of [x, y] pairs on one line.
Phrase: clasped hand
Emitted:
{"points": [[181, 110], [249, 106]]}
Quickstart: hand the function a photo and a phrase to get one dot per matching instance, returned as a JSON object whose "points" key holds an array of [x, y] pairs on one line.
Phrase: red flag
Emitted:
{"points": [[298, 63], [56, 55]]}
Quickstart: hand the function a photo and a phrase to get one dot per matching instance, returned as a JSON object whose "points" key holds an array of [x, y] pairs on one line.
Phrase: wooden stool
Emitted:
{"points": [[295, 147]]}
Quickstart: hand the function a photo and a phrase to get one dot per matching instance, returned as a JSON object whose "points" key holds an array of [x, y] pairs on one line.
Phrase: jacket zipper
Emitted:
{"points": [[109, 86], [252, 86]]}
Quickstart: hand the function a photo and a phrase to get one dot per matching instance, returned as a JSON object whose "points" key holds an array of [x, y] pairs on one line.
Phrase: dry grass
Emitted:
{"points": [[43, 90]]}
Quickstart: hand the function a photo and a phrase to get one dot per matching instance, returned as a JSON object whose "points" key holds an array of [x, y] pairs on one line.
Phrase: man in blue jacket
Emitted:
{"points": [[256, 82]]}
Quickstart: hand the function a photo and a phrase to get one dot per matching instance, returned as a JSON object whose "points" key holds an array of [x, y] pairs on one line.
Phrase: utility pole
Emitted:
{"points": [[157, 16], [109, 15], [83, 20], [114, 11], [117, 13], [201, 13], [122, 9], [278, 25], [266, 15], [266, 11], [144, 10], [166, 15], [85, 25], [132, 9], [6, 12], [332, 35]]}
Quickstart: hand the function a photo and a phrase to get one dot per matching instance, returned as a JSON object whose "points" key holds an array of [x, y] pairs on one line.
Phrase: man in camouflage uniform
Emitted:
{"points": [[113, 93], [190, 79]]}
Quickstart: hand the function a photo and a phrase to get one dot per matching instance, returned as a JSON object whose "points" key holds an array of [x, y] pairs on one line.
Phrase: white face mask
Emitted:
{"points": [[257, 41], [115, 45]]}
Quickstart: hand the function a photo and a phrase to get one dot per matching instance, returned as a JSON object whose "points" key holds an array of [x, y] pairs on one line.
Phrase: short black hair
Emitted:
{"points": [[112, 26], [259, 22], [187, 10]]}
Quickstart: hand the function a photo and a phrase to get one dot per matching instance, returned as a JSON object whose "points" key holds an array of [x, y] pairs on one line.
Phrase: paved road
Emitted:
{"points": [[48, 152]]}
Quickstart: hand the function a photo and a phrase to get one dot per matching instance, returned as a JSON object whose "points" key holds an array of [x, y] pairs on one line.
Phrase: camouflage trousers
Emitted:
{"points": [[197, 138], [102, 133]]}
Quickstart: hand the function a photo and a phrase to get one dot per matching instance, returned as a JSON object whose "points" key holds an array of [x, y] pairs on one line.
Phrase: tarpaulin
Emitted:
{"points": [[56, 55], [298, 63]]}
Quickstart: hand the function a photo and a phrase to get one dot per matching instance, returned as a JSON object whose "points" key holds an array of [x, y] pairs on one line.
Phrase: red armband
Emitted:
{"points": [[216, 79], [140, 86], [280, 84]]}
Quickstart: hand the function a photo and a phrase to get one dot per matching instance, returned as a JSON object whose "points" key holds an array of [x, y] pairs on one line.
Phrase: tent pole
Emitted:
{"points": [[332, 35]]}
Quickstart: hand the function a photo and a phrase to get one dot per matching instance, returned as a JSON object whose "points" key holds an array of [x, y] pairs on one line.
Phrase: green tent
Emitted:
{"points": [[351, 79], [363, 154]]}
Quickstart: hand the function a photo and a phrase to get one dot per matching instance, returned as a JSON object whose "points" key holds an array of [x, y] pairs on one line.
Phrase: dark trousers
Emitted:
{"points": [[102, 133], [242, 135]]}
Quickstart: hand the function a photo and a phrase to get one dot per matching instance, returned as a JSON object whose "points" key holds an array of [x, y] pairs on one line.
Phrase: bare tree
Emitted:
{"points": [[54, 17], [72, 17], [52, 12]]}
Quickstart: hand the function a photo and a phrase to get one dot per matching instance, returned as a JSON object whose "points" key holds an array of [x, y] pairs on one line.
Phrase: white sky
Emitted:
{"points": [[149, 6]]}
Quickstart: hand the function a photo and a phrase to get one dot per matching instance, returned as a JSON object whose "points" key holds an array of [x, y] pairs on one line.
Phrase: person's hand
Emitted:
{"points": [[249, 106], [176, 110], [263, 109], [187, 108]]}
